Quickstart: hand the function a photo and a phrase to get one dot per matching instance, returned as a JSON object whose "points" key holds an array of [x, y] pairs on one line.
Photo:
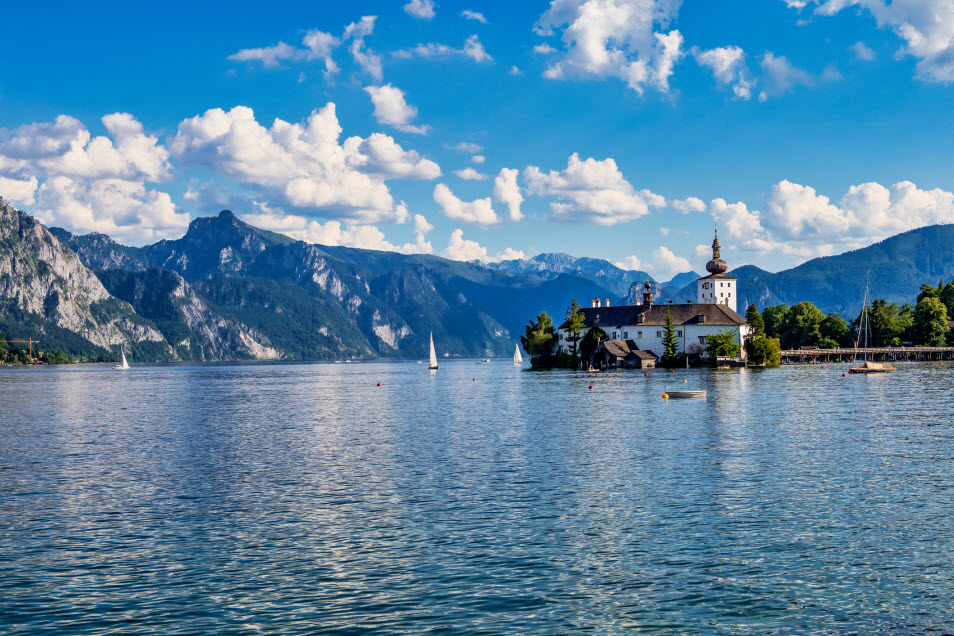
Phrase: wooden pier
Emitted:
{"points": [[875, 354]]}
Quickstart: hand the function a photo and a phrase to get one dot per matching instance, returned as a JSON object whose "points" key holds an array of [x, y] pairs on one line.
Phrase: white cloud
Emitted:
{"points": [[18, 190], [460, 249], [692, 204], [727, 64], [664, 231], [793, 211], [422, 9], [471, 49], [392, 109], [469, 174], [631, 264], [269, 56], [473, 15], [124, 210], [478, 212], [380, 156], [507, 191], [614, 38], [478, 159], [318, 46], [591, 191], [544, 49], [781, 77], [466, 146], [298, 165], [926, 26], [862, 52], [509, 254], [368, 60], [666, 264], [515, 71]]}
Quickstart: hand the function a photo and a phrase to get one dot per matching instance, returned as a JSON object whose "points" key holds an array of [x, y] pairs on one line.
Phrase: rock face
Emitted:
{"points": [[42, 277]]}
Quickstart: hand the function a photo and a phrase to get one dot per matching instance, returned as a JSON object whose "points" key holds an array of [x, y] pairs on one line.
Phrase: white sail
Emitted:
{"points": [[517, 358], [433, 360], [123, 354]]}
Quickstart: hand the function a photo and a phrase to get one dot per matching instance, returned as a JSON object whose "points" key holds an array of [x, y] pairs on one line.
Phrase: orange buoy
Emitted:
{"points": [[686, 381], [665, 396]]}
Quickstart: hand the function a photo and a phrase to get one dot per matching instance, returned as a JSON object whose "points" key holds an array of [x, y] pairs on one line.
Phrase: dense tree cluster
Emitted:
{"points": [[760, 348]]}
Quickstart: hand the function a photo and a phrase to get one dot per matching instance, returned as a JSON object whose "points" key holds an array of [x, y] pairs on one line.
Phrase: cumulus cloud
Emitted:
{"points": [[466, 146], [591, 191], [471, 49], [509, 254], [692, 204], [478, 212], [269, 56], [368, 60], [663, 266], [124, 210], [631, 264], [926, 27], [507, 191], [469, 174], [422, 9], [460, 249], [515, 70], [478, 159], [467, 14], [727, 64], [301, 166], [391, 108], [91, 183], [614, 38]]}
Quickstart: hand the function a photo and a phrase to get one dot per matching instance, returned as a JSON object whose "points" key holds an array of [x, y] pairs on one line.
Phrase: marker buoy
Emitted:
{"points": [[843, 375], [379, 384], [591, 387], [665, 396], [686, 381], [646, 374], [474, 379]]}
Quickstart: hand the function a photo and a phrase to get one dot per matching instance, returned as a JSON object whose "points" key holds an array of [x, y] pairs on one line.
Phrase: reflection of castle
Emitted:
{"points": [[640, 327]]}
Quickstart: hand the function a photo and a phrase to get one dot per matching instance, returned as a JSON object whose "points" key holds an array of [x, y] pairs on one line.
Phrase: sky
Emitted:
{"points": [[620, 129]]}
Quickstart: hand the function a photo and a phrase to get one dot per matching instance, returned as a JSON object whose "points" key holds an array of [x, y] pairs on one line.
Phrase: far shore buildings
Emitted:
{"points": [[634, 330]]}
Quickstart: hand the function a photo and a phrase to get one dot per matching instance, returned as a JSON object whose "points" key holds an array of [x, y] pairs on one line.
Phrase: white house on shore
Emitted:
{"points": [[641, 326]]}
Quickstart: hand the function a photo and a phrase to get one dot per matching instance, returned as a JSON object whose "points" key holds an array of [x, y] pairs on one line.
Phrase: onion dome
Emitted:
{"points": [[717, 265]]}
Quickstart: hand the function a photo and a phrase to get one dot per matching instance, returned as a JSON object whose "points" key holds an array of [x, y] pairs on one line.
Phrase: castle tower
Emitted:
{"points": [[717, 287], [648, 293]]}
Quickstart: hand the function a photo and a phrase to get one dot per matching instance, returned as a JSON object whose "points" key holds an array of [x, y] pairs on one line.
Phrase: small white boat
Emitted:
{"points": [[685, 394], [124, 365], [517, 358], [432, 365]]}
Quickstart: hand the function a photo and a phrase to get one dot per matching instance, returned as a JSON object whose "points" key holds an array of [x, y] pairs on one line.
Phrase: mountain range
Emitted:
{"points": [[229, 291]]}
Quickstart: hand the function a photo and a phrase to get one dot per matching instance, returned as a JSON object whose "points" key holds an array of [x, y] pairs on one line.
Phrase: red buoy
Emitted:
{"points": [[474, 379], [646, 374], [591, 386], [379, 384], [843, 375]]}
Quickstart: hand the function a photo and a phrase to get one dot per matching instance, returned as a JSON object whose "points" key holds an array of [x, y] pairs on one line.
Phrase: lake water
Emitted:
{"points": [[304, 498]]}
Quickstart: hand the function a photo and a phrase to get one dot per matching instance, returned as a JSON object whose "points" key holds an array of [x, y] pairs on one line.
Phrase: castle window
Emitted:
{"points": [[679, 333], [639, 334], [625, 335], [659, 334]]}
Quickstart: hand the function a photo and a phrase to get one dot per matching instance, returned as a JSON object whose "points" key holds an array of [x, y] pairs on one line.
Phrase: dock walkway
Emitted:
{"points": [[876, 354]]}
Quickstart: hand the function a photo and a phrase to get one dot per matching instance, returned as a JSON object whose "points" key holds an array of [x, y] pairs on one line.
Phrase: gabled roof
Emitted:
{"points": [[718, 276], [625, 349], [655, 315]]}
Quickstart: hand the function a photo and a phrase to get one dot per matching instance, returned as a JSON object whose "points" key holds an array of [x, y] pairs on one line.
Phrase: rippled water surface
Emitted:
{"points": [[293, 499]]}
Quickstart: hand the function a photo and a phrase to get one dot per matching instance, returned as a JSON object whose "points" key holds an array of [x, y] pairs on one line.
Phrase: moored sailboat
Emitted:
{"points": [[432, 364], [867, 366]]}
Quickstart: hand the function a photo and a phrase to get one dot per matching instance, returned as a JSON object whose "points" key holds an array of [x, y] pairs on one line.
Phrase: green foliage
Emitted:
{"points": [[763, 350], [590, 341], [775, 319], [670, 343], [56, 357], [755, 320], [539, 341], [802, 326], [930, 322], [575, 322], [723, 344], [834, 332], [887, 322]]}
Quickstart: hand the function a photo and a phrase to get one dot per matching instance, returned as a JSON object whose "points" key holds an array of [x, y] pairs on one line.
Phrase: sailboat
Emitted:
{"points": [[124, 365], [867, 366], [517, 358], [432, 365]]}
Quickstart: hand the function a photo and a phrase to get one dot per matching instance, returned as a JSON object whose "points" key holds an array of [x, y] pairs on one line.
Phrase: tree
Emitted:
{"points": [[539, 340], [930, 322], [591, 340], [802, 326], [575, 321], [755, 320], [670, 343], [722, 344], [763, 350], [947, 297], [834, 330], [887, 322], [775, 319]]}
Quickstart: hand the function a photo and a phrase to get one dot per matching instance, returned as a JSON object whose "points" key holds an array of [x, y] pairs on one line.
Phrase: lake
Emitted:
{"points": [[481, 499]]}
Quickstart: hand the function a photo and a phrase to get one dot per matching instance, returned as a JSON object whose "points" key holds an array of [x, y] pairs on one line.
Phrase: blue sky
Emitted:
{"points": [[621, 129]]}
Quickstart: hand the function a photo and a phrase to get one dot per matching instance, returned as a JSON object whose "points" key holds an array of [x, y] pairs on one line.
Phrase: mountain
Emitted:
{"points": [[895, 269], [549, 266], [47, 293], [228, 290]]}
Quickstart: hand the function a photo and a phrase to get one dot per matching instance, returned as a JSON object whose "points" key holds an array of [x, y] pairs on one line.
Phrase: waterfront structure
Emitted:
{"points": [[642, 325]]}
